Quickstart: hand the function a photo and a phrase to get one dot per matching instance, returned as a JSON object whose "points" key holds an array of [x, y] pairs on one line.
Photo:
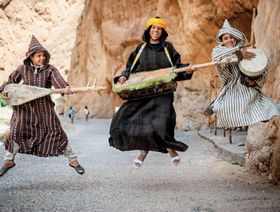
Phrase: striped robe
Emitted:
{"points": [[238, 105], [34, 126]]}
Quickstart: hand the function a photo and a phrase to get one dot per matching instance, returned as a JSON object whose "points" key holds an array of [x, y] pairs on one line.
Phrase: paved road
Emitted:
{"points": [[203, 181]]}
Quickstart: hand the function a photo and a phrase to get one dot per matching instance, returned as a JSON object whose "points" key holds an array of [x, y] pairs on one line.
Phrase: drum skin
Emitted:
{"points": [[255, 66]]}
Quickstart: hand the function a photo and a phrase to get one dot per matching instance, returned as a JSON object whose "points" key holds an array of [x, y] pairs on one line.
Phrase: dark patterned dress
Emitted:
{"points": [[148, 123]]}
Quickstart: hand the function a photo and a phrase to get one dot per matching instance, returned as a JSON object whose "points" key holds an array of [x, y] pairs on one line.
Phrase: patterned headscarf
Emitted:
{"points": [[156, 21], [34, 47], [227, 29]]}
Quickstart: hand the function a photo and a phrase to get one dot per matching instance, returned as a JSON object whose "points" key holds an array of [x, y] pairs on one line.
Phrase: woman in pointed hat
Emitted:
{"points": [[241, 101], [147, 124], [35, 128]]}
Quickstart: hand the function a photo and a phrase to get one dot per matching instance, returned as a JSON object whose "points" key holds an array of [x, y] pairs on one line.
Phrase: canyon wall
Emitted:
{"points": [[53, 22], [109, 30], [263, 139]]}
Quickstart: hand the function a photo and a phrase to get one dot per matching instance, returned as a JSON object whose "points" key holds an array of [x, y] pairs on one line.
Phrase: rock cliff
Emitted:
{"points": [[108, 31], [52, 22], [263, 140]]}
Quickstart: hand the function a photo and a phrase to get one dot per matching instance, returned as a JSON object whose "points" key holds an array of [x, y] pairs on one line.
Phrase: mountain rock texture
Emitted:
{"points": [[103, 33], [53, 22], [263, 139], [108, 31]]}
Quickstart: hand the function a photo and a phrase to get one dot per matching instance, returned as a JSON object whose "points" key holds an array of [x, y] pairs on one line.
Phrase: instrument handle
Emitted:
{"points": [[252, 38], [205, 65], [79, 89]]}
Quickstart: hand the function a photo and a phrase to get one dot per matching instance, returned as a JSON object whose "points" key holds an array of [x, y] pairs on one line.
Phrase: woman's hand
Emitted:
{"points": [[189, 69], [68, 90], [249, 82], [5, 96], [247, 55], [122, 79]]}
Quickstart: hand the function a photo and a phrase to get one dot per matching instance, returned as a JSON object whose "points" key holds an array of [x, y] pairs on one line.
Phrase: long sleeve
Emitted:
{"points": [[221, 54], [129, 63], [15, 77], [57, 80], [176, 60]]}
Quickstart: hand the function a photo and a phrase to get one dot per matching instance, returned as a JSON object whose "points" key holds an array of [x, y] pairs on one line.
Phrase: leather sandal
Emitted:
{"points": [[3, 170], [137, 163], [176, 160], [79, 169]]}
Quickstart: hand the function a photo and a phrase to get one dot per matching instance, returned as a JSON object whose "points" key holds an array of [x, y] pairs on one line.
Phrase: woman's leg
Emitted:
{"points": [[174, 156], [11, 156], [73, 161], [9, 159], [138, 162]]}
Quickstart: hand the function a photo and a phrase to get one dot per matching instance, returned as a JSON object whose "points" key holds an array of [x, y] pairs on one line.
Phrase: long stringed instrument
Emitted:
{"points": [[18, 94]]}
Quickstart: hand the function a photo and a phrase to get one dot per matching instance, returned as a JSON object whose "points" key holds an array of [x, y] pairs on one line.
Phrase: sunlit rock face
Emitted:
{"points": [[264, 139], [53, 22], [109, 30]]}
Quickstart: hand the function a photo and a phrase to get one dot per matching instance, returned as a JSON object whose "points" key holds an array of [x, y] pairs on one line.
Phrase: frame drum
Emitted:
{"points": [[255, 66]]}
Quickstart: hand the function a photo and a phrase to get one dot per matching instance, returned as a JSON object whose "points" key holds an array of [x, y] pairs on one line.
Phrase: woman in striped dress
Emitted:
{"points": [[34, 127], [241, 101]]}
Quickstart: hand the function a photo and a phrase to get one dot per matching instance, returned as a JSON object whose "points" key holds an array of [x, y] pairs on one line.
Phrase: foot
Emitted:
{"points": [[138, 162], [78, 168], [174, 157], [6, 166], [208, 111]]}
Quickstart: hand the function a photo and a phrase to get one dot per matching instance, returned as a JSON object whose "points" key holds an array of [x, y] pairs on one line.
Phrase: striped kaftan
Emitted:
{"points": [[35, 126], [238, 105]]}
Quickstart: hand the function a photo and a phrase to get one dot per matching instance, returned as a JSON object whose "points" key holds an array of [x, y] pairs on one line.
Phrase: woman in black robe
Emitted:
{"points": [[147, 124]]}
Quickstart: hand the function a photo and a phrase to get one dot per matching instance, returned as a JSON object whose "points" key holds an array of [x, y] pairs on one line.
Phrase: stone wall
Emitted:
{"points": [[109, 30], [263, 140], [52, 22]]}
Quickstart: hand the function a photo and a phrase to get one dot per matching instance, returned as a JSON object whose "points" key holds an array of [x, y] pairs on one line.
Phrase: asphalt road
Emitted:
{"points": [[202, 182]]}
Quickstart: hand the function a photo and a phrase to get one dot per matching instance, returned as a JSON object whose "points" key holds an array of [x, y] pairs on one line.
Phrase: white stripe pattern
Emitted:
{"points": [[238, 105]]}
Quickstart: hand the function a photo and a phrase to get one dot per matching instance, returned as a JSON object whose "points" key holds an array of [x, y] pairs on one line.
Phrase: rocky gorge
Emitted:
{"points": [[91, 41]]}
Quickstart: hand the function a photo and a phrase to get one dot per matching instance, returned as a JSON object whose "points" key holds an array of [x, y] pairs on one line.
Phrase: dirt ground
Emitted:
{"points": [[202, 182]]}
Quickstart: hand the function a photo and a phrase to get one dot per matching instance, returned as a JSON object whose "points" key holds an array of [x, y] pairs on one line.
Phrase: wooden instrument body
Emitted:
{"points": [[147, 84], [19, 93], [152, 83], [145, 79]]}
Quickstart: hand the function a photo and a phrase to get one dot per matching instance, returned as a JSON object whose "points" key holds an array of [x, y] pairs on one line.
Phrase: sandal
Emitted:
{"points": [[176, 160], [79, 169], [3, 170], [137, 163]]}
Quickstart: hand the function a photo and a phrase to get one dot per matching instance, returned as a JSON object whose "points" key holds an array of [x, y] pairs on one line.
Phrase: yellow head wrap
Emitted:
{"points": [[156, 21]]}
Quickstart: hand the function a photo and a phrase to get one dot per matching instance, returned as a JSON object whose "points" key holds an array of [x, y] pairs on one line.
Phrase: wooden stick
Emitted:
{"points": [[252, 38], [204, 65], [79, 89]]}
